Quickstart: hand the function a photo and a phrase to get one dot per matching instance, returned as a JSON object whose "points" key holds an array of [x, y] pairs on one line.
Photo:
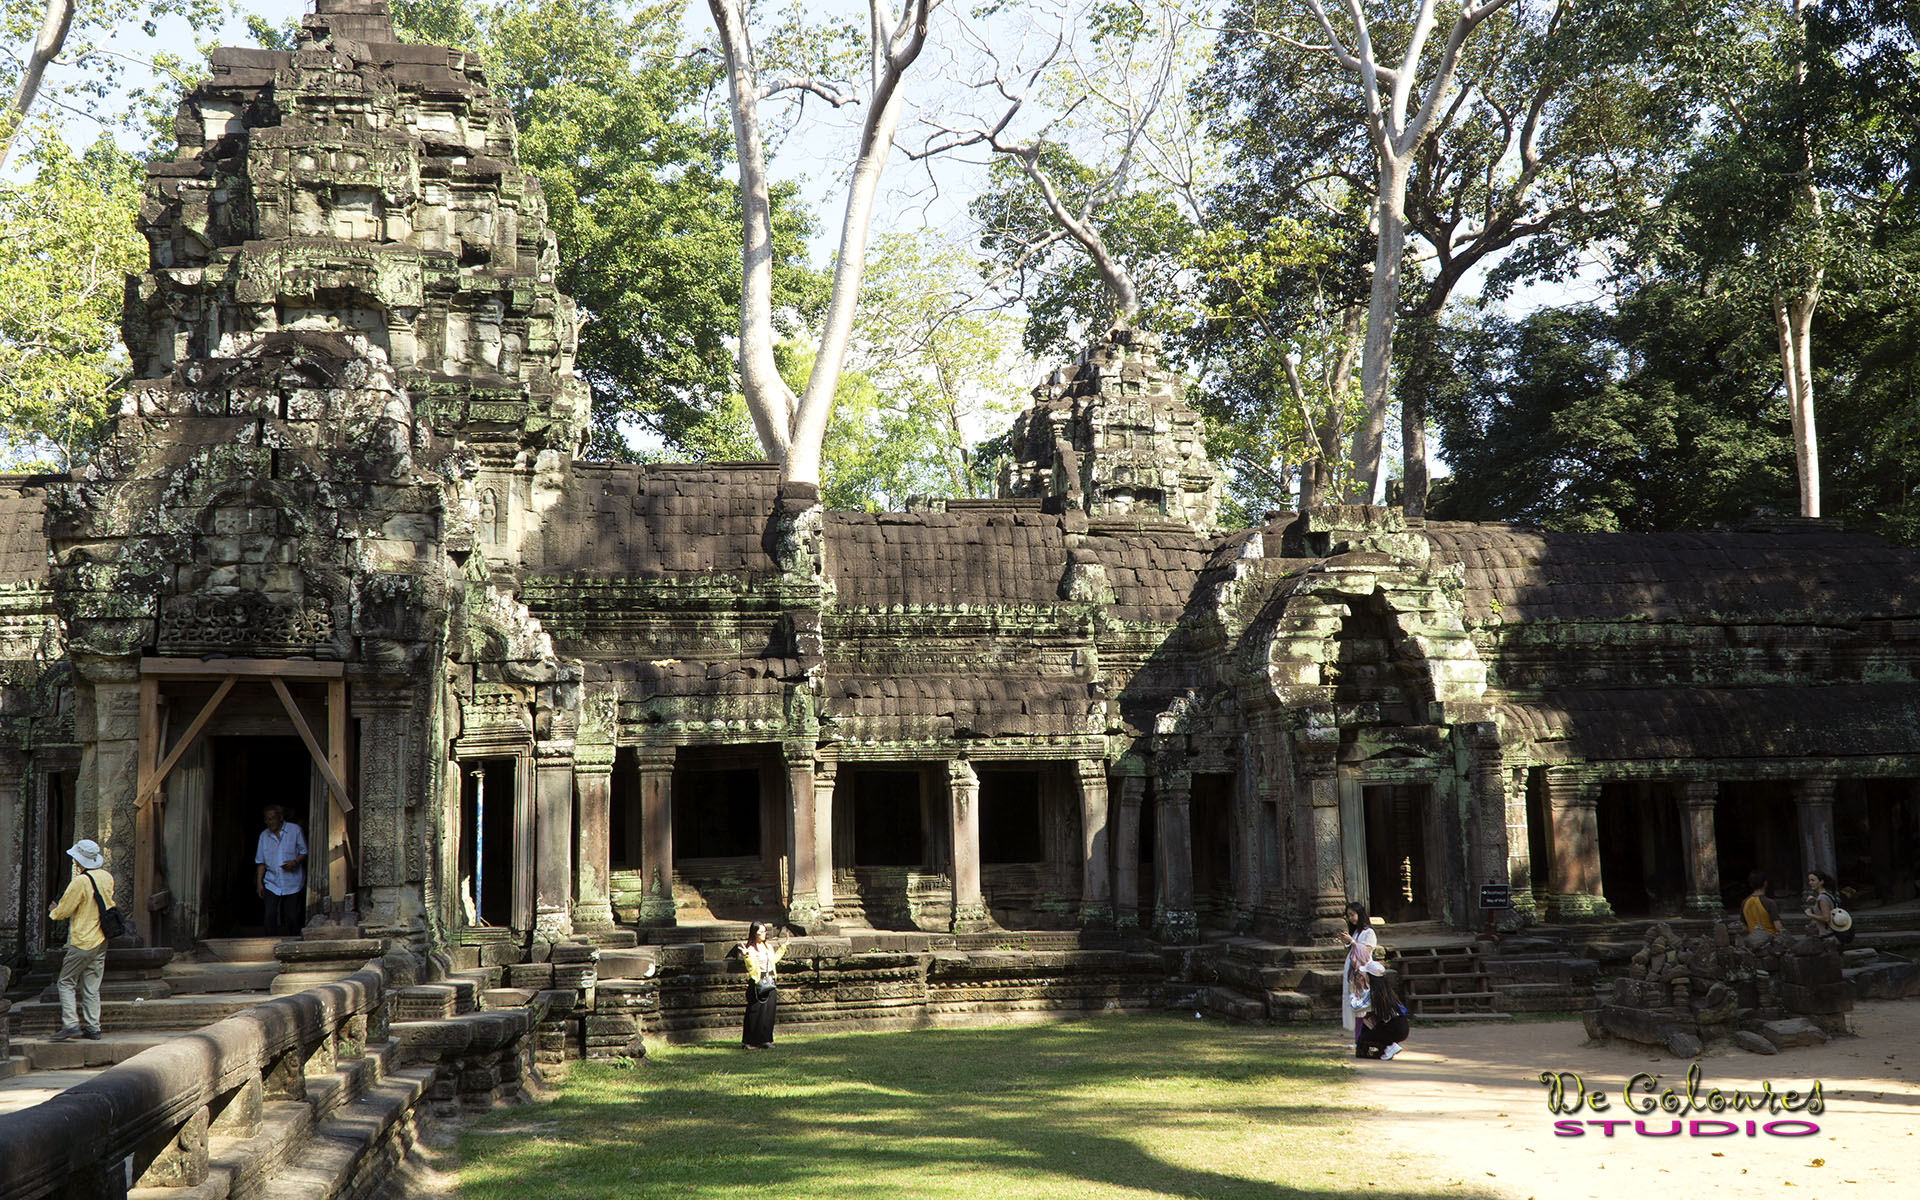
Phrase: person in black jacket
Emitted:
{"points": [[1384, 1025]]}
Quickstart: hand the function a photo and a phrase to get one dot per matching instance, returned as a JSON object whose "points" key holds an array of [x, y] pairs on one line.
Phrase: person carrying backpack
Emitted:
{"points": [[90, 894]]}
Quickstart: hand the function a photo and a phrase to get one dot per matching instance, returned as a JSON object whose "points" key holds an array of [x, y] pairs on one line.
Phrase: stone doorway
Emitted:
{"points": [[56, 834], [1402, 876], [488, 788], [1755, 827], [729, 833], [245, 774], [1876, 839], [1211, 814], [890, 848], [1642, 860]]}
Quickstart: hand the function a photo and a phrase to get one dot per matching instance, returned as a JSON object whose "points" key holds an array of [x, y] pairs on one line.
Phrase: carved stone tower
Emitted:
{"points": [[1114, 438]]}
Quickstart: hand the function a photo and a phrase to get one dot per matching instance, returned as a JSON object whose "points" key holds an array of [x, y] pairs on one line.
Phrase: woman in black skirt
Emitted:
{"points": [[1385, 1024], [763, 993]]}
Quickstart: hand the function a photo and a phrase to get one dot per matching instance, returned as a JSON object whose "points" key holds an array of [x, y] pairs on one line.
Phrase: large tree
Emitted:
{"points": [[791, 428], [1525, 131], [634, 167]]}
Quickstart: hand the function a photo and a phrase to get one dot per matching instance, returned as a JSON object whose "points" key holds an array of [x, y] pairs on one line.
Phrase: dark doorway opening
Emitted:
{"points": [[1149, 847], [623, 814], [1643, 867], [57, 836], [716, 814], [1212, 816], [1755, 827], [487, 788], [248, 774], [1398, 865], [1539, 837], [1874, 836], [889, 828], [1011, 829]]}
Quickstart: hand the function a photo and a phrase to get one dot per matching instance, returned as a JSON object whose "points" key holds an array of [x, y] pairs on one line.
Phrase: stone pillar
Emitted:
{"points": [[1573, 811], [1519, 872], [810, 780], [391, 859], [1813, 799], [963, 811], [1246, 840], [656, 835], [593, 888], [1697, 841], [13, 853], [1126, 853], [1096, 892], [553, 839], [1174, 919], [1326, 852], [1488, 856]]}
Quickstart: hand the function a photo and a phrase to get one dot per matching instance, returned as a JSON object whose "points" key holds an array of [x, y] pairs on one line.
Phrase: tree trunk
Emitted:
{"points": [[876, 140], [53, 35], [1376, 362], [1793, 320], [1418, 379], [769, 399]]}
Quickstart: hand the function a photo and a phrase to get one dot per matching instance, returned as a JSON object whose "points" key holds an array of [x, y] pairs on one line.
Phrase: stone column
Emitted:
{"points": [[1174, 919], [553, 839], [593, 785], [391, 869], [1813, 799], [1489, 857], [1573, 811], [810, 799], [1096, 892], [1126, 853], [656, 835], [13, 852], [1326, 852], [1246, 840], [1697, 841], [1519, 872], [963, 811]]}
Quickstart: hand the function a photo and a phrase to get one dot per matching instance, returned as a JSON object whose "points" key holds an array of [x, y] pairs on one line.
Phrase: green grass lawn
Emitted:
{"points": [[1118, 1107]]}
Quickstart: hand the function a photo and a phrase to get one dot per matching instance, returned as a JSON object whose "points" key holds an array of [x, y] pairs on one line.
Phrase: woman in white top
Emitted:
{"points": [[761, 957], [1360, 942]]}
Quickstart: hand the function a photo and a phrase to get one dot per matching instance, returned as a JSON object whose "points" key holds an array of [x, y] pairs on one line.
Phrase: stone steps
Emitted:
{"points": [[80, 1054], [175, 1014], [207, 978], [1445, 982]]}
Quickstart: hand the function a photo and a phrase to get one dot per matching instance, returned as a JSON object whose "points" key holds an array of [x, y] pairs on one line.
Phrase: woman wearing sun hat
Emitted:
{"points": [[86, 960]]}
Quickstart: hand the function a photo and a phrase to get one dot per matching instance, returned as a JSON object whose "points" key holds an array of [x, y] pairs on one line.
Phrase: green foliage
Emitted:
{"points": [[69, 243], [1066, 302], [1131, 1106], [98, 72], [927, 373], [634, 164], [1579, 419]]}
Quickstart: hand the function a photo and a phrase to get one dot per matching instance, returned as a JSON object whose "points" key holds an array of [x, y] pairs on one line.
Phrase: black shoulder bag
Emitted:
{"points": [[113, 923]]}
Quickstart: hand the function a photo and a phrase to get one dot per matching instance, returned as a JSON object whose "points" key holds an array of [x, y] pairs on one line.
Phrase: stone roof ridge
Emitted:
{"points": [[365, 21]]}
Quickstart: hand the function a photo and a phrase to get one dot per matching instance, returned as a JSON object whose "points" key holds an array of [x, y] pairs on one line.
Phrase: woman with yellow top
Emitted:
{"points": [[763, 993]]}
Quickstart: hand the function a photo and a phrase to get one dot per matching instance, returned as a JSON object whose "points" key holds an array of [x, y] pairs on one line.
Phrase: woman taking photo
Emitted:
{"points": [[763, 993], [1360, 942], [1385, 1023]]}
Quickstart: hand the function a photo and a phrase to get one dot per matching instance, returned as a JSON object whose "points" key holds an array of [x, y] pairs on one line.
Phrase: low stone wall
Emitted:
{"points": [[690, 998]]}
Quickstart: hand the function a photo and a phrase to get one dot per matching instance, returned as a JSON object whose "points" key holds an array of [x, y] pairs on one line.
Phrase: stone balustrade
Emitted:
{"points": [[146, 1122]]}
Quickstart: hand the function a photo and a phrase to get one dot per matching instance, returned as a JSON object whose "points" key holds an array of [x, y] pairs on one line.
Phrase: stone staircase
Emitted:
{"points": [[1445, 982]]}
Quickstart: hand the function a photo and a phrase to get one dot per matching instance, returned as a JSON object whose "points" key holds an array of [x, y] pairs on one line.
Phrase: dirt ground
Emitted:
{"points": [[1467, 1101]]}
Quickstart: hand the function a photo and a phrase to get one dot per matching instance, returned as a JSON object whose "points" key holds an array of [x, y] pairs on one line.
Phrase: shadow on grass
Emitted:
{"points": [[1121, 1107]]}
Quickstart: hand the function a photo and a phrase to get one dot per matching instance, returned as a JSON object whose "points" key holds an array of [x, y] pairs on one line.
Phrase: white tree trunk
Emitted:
{"points": [[1376, 358], [53, 35], [1793, 320], [876, 139], [769, 400]]}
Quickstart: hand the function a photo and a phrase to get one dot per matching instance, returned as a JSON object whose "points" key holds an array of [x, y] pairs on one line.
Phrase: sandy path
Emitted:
{"points": [[1466, 1101]]}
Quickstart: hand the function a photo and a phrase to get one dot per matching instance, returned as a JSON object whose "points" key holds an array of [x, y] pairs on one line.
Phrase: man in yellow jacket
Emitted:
{"points": [[86, 959]]}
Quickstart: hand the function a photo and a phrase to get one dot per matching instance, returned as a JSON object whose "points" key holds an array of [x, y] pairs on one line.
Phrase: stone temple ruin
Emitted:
{"points": [[342, 553]]}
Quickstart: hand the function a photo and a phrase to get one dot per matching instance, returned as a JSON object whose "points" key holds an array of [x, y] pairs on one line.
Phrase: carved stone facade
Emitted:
{"points": [[340, 554]]}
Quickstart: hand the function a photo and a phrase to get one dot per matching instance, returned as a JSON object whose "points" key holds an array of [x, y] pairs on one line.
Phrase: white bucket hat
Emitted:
{"points": [[1842, 920], [86, 852]]}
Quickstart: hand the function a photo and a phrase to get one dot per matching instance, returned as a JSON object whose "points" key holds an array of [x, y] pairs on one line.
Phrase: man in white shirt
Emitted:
{"points": [[280, 873]]}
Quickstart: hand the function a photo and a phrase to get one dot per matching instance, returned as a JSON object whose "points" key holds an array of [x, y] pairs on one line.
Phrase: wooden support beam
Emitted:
{"points": [[144, 848], [313, 745], [337, 748], [159, 776], [250, 668]]}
